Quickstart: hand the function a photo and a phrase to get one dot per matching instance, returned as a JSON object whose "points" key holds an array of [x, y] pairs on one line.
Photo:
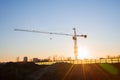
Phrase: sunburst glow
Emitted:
{"points": [[83, 53]]}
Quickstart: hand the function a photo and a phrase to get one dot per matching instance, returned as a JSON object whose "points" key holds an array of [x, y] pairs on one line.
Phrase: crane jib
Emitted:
{"points": [[74, 37]]}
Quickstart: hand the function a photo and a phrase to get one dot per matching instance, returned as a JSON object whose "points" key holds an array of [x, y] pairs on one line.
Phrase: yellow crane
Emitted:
{"points": [[73, 35]]}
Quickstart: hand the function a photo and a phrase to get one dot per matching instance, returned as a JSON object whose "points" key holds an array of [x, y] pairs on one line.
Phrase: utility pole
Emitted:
{"points": [[73, 35]]}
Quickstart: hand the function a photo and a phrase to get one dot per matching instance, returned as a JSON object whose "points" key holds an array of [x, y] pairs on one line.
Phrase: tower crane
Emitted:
{"points": [[74, 36]]}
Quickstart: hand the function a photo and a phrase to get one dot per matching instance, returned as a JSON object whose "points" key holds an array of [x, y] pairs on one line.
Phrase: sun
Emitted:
{"points": [[83, 53]]}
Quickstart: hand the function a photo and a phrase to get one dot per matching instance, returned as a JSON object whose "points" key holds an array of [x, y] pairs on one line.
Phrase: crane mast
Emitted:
{"points": [[75, 44], [73, 35]]}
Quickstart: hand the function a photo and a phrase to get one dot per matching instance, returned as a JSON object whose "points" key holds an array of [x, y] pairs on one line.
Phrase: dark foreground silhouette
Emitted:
{"points": [[59, 71]]}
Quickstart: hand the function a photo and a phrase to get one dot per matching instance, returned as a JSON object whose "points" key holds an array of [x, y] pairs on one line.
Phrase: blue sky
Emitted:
{"points": [[99, 19]]}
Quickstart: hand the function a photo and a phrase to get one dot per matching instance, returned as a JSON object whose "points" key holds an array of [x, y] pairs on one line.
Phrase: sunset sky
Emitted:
{"points": [[99, 19]]}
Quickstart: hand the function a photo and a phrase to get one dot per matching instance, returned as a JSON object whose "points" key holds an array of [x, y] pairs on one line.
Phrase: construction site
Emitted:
{"points": [[72, 69], [60, 71], [59, 39]]}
